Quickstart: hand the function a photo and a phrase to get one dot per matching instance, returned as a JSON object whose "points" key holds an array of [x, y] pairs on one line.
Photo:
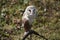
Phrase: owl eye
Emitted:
{"points": [[29, 10], [34, 10]]}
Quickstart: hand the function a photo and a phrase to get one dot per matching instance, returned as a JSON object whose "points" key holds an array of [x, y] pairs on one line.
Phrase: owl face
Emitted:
{"points": [[30, 10]]}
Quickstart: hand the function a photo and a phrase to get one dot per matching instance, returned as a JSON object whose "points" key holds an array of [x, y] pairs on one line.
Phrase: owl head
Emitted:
{"points": [[30, 10]]}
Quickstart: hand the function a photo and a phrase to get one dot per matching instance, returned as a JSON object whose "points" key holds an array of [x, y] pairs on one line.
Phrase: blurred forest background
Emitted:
{"points": [[46, 24]]}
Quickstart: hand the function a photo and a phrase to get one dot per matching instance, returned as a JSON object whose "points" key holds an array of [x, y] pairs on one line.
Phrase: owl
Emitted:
{"points": [[29, 14]]}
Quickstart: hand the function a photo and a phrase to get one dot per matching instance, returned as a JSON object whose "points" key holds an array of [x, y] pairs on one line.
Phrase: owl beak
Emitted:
{"points": [[31, 13]]}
